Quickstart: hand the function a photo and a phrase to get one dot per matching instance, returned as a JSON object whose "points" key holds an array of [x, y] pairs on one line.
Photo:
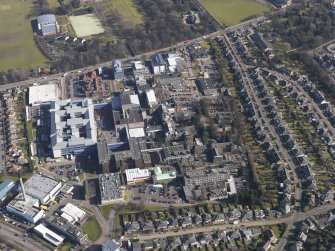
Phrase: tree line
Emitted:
{"points": [[306, 25]]}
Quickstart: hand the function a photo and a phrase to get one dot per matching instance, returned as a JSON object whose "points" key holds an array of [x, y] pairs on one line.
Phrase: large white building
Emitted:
{"points": [[42, 188], [72, 213], [134, 175], [49, 235], [73, 128], [42, 93]]}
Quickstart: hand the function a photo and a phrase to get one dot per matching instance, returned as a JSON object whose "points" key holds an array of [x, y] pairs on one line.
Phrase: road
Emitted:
{"points": [[283, 152], [321, 46], [14, 237], [57, 77], [302, 92], [291, 219]]}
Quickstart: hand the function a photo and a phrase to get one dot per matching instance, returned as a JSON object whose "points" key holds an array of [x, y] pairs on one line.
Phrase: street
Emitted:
{"points": [[291, 219]]}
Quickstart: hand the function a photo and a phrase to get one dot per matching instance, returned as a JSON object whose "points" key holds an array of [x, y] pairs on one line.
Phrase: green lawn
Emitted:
{"points": [[17, 45], [92, 229], [127, 9], [105, 210], [231, 12], [62, 20]]}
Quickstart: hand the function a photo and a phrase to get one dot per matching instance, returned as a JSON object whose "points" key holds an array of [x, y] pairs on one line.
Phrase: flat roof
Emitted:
{"points": [[151, 96], [110, 186], [49, 235], [136, 133], [39, 186], [27, 207], [136, 173], [43, 93], [72, 124], [72, 213]]}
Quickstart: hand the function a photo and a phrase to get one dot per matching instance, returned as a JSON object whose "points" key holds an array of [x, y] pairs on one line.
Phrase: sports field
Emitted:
{"points": [[17, 46], [86, 25], [126, 8], [231, 12]]}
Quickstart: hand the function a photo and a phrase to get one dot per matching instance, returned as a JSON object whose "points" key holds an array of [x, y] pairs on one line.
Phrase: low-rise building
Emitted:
{"points": [[134, 175], [158, 64], [47, 24], [72, 213], [60, 225], [49, 235], [42, 93]]}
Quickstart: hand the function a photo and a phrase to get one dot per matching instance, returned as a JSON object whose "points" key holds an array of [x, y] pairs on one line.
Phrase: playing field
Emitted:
{"points": [[17, 46], [126, 8], [86, 25], [231, 12]]}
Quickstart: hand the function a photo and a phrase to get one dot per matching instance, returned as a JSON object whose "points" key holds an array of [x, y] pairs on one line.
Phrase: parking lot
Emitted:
{"points": [[70, 171], [155, 194]]}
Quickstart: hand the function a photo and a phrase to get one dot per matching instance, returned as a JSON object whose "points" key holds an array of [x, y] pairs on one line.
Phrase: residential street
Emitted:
{"points": [[293, 218]]}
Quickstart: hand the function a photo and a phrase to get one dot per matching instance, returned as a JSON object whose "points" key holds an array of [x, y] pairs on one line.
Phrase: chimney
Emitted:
{"points": [[22, 189]]}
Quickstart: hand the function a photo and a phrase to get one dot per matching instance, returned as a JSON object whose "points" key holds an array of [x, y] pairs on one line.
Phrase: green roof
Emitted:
{"points": [[166, 176]]}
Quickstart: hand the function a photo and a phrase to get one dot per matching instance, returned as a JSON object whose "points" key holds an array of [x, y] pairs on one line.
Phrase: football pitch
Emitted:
{"points": [[86, 25], [231, 12], [17, 45]]}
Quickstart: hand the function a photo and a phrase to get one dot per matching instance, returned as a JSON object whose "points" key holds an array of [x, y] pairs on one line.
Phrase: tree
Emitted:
{"points": [[204, 107], [213, 131], [75, 4]]}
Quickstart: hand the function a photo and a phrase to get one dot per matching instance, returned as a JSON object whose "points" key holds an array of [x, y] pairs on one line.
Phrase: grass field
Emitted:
{"points": [[231, 12], [126, 8], [17, 46], [92, 229]]}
